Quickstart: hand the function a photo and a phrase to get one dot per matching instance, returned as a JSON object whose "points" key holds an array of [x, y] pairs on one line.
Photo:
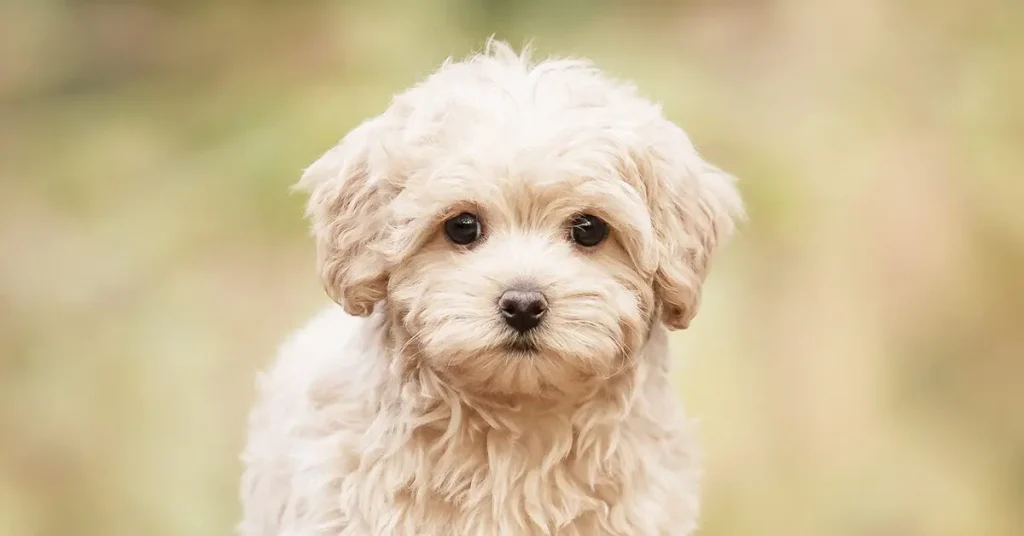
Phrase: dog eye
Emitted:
{"points": [[588, 230], [462, 229]]}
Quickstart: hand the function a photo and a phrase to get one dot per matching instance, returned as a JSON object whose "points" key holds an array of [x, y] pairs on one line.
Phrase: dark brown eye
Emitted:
{"points": [[462, 229], [588, 230]]}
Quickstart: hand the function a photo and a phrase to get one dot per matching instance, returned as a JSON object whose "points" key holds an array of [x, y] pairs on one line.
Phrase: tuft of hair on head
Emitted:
{"points": [[502, 51]]}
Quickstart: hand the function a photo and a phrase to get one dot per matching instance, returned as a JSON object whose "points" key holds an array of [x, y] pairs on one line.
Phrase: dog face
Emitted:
{"points": [[524, 281], [525, 225]]}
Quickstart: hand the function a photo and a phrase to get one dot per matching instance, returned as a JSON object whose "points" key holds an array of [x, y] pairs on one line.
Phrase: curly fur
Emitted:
{"points": [[407, 413]]}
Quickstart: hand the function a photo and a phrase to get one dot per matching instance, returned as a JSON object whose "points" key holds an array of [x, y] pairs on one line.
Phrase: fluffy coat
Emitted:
{"points": [[404, 410]]}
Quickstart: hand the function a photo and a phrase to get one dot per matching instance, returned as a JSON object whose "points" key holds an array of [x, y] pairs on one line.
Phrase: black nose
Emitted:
{"points": [[523, 309]]}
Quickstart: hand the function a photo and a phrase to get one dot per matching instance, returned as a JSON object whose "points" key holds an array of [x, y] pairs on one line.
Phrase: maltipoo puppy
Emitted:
{"points": [[509, 243]]}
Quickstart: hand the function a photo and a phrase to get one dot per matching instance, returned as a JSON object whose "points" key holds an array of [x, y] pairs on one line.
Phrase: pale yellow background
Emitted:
{"points": [[858, 367]]}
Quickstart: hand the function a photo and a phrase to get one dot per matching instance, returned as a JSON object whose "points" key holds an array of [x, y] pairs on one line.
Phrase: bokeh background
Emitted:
{"points": [[858, 368]]}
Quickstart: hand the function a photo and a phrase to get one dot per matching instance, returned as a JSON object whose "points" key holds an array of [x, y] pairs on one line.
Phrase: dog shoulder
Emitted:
{"points": [[322, 373], [331, 341]]}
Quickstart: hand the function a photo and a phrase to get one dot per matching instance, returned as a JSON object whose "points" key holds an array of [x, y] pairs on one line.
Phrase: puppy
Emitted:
{"points": [[509, 243]]}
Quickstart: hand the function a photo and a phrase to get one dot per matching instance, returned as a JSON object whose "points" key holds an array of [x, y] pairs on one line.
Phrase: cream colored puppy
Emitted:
{"points": [[508, 242]]}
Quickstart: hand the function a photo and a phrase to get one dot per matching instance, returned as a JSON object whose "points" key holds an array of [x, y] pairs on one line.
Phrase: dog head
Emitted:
{"points": [[526, 225]]}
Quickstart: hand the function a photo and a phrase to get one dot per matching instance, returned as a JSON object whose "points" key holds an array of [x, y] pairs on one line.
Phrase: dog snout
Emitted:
{"points": [[523, 309]]}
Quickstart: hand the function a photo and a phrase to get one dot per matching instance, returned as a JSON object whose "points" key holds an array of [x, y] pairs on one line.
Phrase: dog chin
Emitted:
{"points": [[527, 367], [522, 346]]}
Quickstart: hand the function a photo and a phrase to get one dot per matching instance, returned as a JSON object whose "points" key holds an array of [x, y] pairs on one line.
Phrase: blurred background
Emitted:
{"points": [[857, 369]]}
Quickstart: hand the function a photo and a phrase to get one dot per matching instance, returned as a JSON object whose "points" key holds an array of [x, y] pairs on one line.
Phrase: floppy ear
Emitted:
{"points": [[347, 206], [694, 208]]}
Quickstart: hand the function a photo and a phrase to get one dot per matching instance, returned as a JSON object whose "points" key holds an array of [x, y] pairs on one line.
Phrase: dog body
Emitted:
{"points": [[509, 244], [335, 435]]}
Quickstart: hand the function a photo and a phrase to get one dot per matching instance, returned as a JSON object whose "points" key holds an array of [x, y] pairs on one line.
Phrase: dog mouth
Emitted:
{"points": [[521, 345]]}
